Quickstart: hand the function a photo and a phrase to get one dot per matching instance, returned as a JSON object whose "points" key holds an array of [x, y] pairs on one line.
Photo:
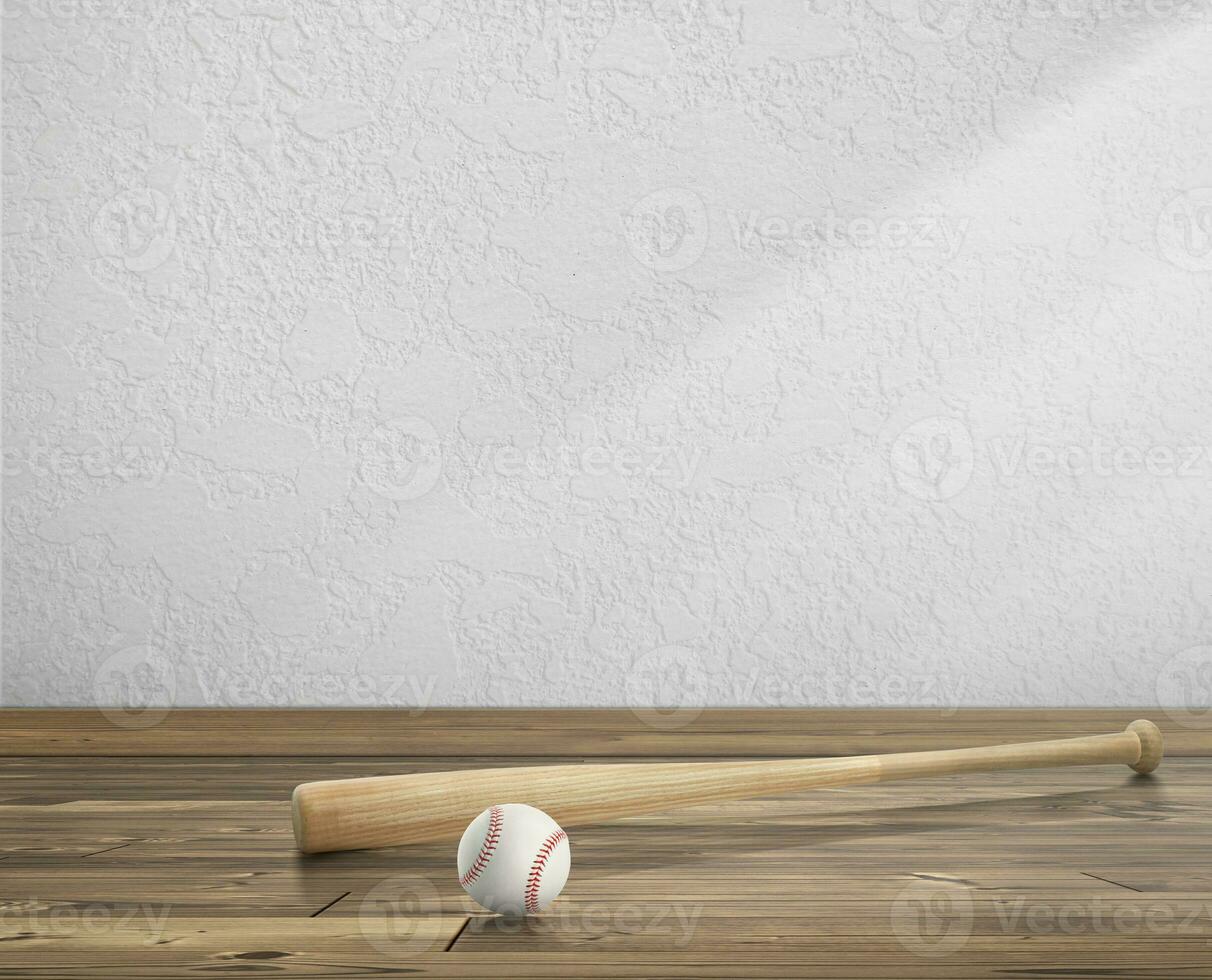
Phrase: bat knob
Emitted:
{"points": [[1151, 745]]}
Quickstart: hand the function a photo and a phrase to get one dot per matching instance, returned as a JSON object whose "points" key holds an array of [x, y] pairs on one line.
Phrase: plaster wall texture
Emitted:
{"points": [[583, 352]]}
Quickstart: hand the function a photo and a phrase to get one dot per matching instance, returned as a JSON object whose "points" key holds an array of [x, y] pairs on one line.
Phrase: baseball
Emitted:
{"points": [[514, 859]]}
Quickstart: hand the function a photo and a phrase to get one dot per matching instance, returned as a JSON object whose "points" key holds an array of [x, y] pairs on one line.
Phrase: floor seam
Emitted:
{"points": [[106, 850], [455, 938], [329, 905], [1118, 884]]}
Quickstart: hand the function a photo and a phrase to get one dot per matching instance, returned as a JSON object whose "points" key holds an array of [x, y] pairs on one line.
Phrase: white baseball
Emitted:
{"points": [[514, 859]]}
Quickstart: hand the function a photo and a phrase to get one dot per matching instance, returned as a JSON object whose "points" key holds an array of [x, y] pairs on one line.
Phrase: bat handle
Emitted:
{"points": [[1138, 746]]}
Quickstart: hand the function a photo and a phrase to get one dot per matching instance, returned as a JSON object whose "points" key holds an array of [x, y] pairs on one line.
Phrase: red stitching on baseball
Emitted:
{"points": [[535, 878], [496, 819]]}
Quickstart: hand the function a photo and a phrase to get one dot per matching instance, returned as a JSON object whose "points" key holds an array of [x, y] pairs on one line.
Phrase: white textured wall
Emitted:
{"points": [[516, 353]]}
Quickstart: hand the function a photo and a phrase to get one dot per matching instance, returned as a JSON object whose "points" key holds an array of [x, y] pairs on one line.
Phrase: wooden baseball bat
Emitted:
{"points": [[381, 811]]}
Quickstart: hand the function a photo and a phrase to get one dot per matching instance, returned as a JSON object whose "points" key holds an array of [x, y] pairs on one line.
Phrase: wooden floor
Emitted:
{"points": [[184, 866]]}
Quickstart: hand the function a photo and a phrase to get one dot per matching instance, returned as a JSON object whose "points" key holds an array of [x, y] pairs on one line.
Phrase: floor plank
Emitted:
{"points": [[565, 732], [162, 867]]}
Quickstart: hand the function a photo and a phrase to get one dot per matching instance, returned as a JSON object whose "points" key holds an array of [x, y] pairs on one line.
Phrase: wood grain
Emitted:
{"points": [[380, 811], [565, 732], [172, 867]]}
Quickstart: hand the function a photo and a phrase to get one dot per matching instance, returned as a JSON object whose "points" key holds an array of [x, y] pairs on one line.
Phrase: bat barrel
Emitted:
{"points": [[381, 811]]}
